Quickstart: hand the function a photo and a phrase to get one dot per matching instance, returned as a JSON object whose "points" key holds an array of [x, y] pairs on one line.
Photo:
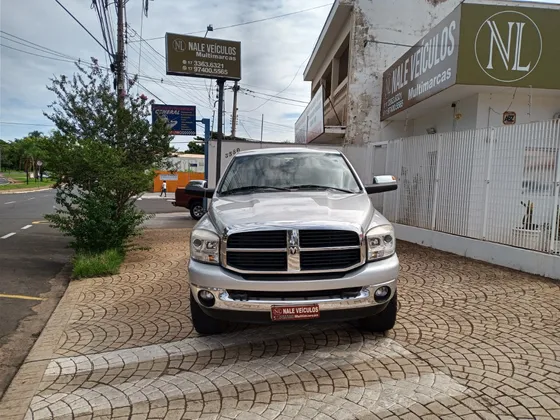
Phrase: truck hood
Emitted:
{"points": [[293, 209]]}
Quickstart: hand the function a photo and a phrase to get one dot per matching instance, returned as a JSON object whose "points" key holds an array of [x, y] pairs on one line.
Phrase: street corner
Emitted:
{"points": [[472, 341]]}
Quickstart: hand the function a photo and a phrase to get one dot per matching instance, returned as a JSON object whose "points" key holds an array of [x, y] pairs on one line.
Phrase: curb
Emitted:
{"points": [[24, 190]]}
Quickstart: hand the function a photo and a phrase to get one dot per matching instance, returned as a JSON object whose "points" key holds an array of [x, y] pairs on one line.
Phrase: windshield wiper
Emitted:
{"points": [[319, 187], [252, 188]]}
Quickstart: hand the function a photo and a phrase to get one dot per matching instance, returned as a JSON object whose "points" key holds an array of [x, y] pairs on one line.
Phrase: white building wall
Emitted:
{"points": [[528, 108], [393, 22]]}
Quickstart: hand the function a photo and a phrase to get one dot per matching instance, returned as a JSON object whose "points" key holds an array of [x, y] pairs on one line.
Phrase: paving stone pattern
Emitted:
{"points": [[473, 341]]}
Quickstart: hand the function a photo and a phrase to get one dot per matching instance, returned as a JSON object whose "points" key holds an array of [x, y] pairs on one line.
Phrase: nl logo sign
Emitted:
{"points": [[508, 46]]}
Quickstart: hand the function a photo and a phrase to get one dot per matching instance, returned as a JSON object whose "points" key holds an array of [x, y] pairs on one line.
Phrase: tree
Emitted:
{"points": [[24, 153], [195, 148], [214, 136], [101, 157]]}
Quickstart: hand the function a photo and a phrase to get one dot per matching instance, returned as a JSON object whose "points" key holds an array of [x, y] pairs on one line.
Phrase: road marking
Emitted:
{"points": [[32, 198], [39, 222], [10, 202], [8, 235], [21, 297], [26, 227]]}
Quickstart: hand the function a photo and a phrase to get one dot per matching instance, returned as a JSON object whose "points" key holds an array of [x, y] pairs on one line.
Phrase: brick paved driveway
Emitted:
{"points": [[473, 341]]}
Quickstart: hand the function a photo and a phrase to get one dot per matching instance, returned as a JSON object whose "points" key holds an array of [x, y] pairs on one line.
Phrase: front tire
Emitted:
{"points": [[197, 210], [202, 323], [384, 320]]}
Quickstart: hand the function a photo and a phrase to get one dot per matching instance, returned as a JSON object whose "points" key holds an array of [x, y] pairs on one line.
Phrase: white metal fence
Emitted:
{"points": [[499, 184]]}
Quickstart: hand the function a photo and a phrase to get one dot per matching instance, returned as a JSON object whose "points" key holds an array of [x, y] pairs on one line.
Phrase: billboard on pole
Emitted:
{"points": [[181, 118], [202, 57]]}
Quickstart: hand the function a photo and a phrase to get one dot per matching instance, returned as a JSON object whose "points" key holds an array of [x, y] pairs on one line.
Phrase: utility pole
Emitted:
{"points": [[262, 128], [220, 133], [120, 52], [234, 119]]}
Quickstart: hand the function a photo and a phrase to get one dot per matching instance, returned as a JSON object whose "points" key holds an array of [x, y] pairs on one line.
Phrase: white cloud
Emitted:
{"points": [[272, 52]]}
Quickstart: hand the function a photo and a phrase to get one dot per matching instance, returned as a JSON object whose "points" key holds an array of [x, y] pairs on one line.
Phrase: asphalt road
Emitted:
{"points": [[31, 256]]}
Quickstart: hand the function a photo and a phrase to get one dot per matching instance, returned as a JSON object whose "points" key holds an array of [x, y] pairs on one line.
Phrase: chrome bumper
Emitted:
{"points": [[364, 299], [369, 277]]}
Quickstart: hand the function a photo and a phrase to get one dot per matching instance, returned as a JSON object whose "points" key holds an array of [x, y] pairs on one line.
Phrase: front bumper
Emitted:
{"points": [[369, 278]]}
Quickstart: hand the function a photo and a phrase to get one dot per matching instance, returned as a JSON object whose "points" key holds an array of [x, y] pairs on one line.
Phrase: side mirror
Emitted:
{"points": [[382, 183], [200, 192]]}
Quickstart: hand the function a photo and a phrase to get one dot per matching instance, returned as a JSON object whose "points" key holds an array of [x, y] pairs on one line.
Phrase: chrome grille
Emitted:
{"points": [[329, 260], [303, 251], [258, 240], [327, 238]]}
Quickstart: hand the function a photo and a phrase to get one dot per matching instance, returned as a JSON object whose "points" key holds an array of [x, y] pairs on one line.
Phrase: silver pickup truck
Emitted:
{"points": [[291, 235]]}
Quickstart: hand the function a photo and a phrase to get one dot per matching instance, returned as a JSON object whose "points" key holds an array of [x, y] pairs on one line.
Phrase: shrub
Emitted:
{"points": [[102, 156]]}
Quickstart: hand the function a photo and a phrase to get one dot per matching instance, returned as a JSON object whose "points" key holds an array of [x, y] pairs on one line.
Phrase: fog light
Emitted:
{"points": [[206, 298], [382, 293]]}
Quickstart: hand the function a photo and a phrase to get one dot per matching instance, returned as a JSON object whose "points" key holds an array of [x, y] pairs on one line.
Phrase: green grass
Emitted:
{"points": [[21, 177], [97, 265]]}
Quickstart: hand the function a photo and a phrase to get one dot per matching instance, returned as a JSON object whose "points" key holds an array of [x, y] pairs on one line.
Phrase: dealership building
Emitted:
{"points": [[386, 70]]}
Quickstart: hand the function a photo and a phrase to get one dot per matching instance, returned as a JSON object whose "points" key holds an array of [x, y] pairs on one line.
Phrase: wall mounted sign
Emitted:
{"points": [[509, 118], [478, 44]]}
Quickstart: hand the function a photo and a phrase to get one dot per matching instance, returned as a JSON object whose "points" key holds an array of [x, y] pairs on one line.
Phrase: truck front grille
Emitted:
{"points": [[329, 260], [258, 261], [294, 251]]}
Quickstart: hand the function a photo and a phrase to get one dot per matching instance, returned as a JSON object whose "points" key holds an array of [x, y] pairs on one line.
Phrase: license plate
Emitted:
{"points": [[294, 313]]}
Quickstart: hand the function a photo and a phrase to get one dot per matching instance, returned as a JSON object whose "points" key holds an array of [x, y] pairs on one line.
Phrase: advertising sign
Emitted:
{"points": [[311, 123], [426, 69], [171, 177], [181, 119], [509, 46], [202, 57]]}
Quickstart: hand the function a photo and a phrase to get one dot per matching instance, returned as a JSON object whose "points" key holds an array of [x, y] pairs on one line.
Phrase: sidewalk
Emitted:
{"points": [[472, 341], [155, 196]]}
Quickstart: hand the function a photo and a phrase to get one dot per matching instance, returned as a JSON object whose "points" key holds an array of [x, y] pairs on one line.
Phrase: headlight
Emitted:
{"points": [[205, 246], [380, 242]]}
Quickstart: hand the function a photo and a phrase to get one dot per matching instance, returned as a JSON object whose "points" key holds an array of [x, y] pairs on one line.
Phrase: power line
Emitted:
{"points": [[194, 94], [151, 63], [271, 99], [151, 93], [276, 96], [24, 124], [250, 22], [37, 46], [286, 88], [83, 27], [38, 55]]}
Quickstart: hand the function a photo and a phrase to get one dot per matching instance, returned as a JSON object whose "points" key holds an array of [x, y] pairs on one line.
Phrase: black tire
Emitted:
{"points": [[197, 210], [383, 321], [204, 324]]}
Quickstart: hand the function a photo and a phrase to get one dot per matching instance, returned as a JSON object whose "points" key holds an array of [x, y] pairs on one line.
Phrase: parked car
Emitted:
{"points": [[192, 202], [291, 235]]}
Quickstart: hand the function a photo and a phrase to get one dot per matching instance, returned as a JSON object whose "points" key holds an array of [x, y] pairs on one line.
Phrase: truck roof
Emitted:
{"points": [[275, 150]]}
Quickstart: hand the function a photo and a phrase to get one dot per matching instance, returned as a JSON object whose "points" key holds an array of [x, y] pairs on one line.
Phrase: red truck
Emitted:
{"points": [[191, 202]]}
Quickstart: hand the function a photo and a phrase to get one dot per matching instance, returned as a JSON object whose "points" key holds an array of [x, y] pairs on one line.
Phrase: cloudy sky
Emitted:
{"points": [[274, 53]]}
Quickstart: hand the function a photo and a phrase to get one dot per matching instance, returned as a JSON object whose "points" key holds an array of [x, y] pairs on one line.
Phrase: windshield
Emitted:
{"points": [[286, 171]]}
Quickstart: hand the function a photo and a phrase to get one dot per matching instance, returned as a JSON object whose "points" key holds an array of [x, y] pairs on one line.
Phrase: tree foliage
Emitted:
{"points": [[195, 148], [101, 157], [23, 154]]}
